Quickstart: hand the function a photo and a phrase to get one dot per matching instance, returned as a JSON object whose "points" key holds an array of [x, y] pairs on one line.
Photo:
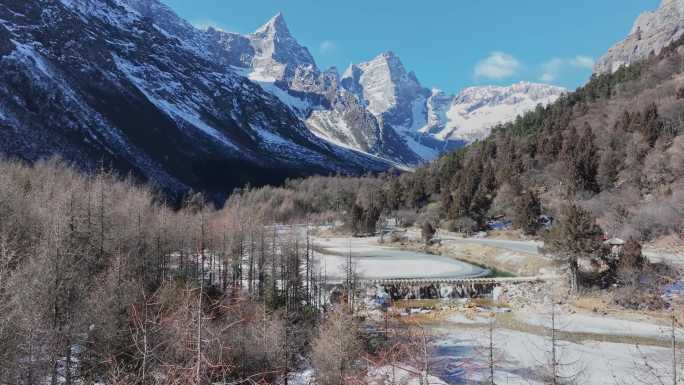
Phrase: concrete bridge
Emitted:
{"points": [[423, 288], [458, 281]]}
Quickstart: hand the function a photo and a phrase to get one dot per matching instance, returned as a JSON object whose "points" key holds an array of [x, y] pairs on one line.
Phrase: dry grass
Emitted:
{"points": [[512, 262], [417, 303], [601, 302]]}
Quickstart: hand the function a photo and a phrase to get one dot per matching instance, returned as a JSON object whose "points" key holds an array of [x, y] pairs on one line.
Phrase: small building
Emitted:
{"points": [[616, 245]]}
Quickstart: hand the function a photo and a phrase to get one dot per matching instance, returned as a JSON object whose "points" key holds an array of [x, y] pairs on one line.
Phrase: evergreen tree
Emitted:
{"points": [[568, 157], [586, 161], [574, 236], [651, 125], [527, 212]]}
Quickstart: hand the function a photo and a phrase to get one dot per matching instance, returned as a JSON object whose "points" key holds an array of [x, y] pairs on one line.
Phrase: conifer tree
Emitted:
{"points": [[575, 236]]}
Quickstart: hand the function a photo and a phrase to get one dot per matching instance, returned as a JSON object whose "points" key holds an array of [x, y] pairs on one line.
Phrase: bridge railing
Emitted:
{"points": [[457, 281]]}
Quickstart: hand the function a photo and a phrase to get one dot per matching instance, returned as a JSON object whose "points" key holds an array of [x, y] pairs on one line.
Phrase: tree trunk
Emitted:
{"points": [[574, 275]]}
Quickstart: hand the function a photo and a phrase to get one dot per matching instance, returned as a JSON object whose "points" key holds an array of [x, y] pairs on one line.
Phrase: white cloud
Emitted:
{"points": [[582, 62], [327, 47], [547, 77], [498, 65], [553, 68]]}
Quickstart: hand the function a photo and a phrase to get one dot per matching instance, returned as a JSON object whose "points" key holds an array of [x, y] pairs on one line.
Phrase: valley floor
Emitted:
{"points": [[605, 346]]}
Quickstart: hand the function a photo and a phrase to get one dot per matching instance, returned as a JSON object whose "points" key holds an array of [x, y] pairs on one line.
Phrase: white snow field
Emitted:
{"points": [[461, 356]]}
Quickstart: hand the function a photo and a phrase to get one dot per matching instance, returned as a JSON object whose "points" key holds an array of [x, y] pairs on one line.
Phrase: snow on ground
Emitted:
{"points": [[674, 259], [521, 356], [583, 323], [400, 375], [304, 377], [342, 245], [373, 261]]}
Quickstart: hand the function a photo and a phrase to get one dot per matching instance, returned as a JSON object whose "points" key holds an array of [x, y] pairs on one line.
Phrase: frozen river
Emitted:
{"points": [[373, 261]]}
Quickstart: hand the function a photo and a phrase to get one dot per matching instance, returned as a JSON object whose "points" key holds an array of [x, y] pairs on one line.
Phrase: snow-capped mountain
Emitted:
{"points": [[652, 31], [377, 107], [395, 97], [272, 58], [385, 86], [474, 111], [129, 84]]}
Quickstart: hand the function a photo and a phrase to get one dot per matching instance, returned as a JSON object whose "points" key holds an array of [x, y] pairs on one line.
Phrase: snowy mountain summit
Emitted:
{"points": [[383, 83], [278, 56], [652, 31], [379, 107]]}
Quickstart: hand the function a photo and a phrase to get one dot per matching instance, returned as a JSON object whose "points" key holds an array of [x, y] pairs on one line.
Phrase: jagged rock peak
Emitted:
{"points": [[387, 57], [278, 55], [274, 26]]}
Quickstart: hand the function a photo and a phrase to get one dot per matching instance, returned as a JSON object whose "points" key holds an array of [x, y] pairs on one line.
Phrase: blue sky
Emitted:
{"points": [[449, 44]]}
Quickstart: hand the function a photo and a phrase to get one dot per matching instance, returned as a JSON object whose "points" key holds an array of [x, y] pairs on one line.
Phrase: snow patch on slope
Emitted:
{"points": [[298, 105], [424, 152], [269, 137], [178, 111], [419, 116], [28, 52], [329, 126], [86, 9]]}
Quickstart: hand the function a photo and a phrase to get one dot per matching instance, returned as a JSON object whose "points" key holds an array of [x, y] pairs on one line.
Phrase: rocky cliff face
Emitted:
{"points": [[652, 31]]}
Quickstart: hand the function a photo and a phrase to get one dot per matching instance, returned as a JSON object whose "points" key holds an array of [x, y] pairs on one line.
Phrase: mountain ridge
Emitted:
{"points": [[390, 116]]}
